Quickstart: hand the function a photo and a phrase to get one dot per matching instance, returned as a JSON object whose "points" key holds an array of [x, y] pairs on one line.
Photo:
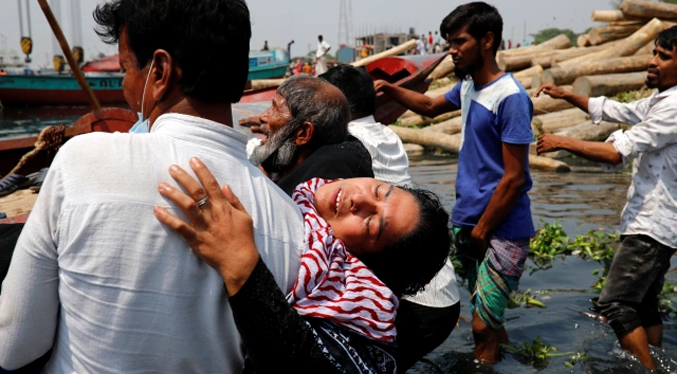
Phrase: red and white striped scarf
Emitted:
{"points": [[335, 285]]}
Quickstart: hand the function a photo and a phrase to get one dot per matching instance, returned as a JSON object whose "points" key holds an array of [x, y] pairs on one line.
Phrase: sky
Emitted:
{"points": [[280, 21]]}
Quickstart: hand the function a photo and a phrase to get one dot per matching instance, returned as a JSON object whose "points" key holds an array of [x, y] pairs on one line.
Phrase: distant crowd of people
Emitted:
{"points": [[184, 246]]}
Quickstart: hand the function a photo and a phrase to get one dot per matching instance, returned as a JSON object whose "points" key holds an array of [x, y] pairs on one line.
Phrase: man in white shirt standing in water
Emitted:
{"points": [[629, 299]]}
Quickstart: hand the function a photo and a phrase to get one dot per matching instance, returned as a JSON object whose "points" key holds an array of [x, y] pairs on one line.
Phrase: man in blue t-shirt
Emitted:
{"points": [[492, 209]]}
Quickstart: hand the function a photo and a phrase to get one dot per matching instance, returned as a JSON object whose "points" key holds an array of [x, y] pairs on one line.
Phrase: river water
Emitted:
{"points": [[585, 199]]}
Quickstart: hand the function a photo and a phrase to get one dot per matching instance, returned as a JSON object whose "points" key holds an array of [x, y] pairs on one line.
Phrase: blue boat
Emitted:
{"points": [[268, 64]]}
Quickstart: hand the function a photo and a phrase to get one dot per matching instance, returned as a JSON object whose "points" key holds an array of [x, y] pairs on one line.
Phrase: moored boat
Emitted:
{"points": [[57, 89]]}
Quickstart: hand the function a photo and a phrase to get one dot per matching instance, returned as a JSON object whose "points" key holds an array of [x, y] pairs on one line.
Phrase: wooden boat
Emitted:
{"points": [[268, 64], [410, 72], [56, 89]]}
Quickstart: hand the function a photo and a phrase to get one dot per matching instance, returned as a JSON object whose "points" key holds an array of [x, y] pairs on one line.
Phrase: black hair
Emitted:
{"points": [[308, 100], [208, 40], [480, 18], [410, 263], [667, 38], [356, 85]]}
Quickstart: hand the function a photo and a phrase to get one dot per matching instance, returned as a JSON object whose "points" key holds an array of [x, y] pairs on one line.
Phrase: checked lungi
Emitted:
{"points": [[492, 280]]}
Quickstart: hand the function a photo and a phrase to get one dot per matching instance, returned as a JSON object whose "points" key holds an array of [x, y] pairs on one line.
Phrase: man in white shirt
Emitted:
{"points": [[629, 298], [95, 275], [426, 319], [320, 61]]}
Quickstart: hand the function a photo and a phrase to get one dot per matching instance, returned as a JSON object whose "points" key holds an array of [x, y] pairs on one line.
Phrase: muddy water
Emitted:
{"points": [[582, 200]]}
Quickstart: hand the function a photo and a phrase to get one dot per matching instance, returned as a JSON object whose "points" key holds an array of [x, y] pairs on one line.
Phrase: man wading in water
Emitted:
{"points": [[629, 299], [492, 215]]}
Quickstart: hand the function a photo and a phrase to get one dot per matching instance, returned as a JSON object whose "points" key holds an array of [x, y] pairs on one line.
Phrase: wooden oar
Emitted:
{"points": [[69, 54]]}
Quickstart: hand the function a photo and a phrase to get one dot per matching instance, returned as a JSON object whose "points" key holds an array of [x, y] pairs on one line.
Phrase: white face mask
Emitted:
{"points": [[142, 126]]}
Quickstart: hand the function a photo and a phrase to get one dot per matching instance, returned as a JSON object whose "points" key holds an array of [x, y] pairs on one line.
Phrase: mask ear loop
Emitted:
{"points": [[143, 95]]}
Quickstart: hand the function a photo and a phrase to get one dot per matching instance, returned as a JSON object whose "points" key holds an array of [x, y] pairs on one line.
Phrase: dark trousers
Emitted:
{"points": [[420, 329], [629, 298]]}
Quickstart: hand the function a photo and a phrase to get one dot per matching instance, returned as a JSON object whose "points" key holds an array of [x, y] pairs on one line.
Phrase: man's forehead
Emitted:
{"points": [[457, 32]]}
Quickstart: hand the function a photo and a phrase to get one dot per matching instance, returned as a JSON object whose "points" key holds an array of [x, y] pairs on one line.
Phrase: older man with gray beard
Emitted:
{"points": [[306, 131]]}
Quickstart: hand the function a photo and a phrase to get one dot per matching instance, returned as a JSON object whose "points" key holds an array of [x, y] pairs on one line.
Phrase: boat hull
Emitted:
{"points": [[30, 90]]}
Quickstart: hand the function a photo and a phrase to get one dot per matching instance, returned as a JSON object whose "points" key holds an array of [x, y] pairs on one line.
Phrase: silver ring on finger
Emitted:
{"points": [[202, 201]]}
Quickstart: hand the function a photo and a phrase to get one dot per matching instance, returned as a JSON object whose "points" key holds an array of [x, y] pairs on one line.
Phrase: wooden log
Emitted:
{"points": [[413, 149], [445, 68], [647, 49], [419, 120], [566, 75], [649, 9], [545, 104], [627, 23], [388, 52], [589, 131], [433, 139], [548, 164], [449, 127], [259, 84], [601, 35], [561, 41], [553, 122], [583, 131], [520, 62], [583, 40], [613, 16], [525, 76], [627, 47], [570, 53], [609, 84], [437, 92]]}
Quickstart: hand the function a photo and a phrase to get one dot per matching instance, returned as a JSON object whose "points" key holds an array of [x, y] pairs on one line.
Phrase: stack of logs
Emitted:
{"points": [[607, 61]]}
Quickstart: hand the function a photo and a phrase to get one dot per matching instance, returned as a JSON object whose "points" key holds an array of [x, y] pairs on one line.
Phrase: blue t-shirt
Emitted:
{"points": [[499, 112]]}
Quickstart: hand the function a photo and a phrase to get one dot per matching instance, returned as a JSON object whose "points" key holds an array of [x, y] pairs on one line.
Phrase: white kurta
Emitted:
{"points": [[97, 275]]}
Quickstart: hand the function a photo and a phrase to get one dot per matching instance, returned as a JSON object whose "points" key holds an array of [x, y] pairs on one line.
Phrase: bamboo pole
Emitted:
{"points": [[69, 55], [387, 53]]}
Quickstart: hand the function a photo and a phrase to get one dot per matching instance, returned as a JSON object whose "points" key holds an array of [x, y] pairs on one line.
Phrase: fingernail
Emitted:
{"points": [[194, 161], [174, 168], [164, 186], [158, 211]]}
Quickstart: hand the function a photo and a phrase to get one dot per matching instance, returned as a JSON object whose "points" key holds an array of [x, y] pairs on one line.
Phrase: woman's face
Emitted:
{"points": [[366, 214]]}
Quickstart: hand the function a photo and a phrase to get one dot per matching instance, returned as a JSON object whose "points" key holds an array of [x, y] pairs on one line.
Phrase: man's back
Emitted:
{"points": [[133, 296]]}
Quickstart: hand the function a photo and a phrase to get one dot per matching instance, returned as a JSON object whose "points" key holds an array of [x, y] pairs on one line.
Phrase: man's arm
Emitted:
{"points": [[593, 151], [29, 303], [505, 196], [415, 101], [558, 93]]}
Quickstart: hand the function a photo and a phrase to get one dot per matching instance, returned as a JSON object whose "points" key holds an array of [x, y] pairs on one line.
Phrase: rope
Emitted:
{"points": [[51, 138]]}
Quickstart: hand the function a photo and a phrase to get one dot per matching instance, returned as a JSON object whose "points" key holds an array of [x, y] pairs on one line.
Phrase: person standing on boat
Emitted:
{"points": [[629, 299], [492, 214], [426, 319], [320, 60], [265, 46], [94, 274]]}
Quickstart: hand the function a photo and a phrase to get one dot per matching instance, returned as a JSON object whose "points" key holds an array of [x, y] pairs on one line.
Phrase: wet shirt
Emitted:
{"points": [[652, 143], [335, 285], [499, 112]]}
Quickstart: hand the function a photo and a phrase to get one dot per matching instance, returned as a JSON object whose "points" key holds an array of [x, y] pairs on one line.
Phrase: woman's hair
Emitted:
{"points": [[410, 263]]}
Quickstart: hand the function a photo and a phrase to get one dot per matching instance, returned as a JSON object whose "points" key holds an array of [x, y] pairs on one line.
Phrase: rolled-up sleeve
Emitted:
{"points": [[603, 109], [655, 132]]}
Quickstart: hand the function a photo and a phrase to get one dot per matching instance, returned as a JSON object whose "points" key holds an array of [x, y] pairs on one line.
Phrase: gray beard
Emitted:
{"points": [[276, 154]]}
